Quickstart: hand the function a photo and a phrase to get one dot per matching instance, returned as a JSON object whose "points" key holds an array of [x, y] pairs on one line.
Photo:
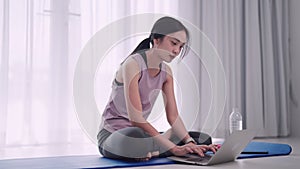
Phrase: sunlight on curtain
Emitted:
{"points": [[40, 43], [4, 69], [39, 72]]}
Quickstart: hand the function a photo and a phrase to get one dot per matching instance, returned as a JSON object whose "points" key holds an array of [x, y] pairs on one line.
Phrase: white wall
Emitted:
{"points": [[294, 11]]}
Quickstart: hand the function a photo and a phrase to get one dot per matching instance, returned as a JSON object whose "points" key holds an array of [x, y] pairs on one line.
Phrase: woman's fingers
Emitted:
{"points": [[206, 148], [214, 147], [200, 149], [189, 150], [200, 153], [194, 149]]}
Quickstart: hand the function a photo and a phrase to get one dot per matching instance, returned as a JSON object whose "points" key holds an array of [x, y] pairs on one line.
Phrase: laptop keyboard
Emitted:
{"points": [[195, 158]]}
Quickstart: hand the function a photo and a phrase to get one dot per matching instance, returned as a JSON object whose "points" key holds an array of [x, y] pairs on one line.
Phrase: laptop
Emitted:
{"points": [[230, 149]]}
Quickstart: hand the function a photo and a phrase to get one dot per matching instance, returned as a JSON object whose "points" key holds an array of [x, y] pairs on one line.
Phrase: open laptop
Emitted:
{"points": [[230, 149]]}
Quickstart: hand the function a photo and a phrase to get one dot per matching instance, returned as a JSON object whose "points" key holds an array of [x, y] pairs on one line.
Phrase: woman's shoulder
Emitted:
{"points": [[131, 63], [168, 69], [131, 60]]}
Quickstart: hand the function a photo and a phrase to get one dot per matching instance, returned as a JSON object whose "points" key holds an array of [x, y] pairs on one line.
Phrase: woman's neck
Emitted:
{"points": [[153, 59]]}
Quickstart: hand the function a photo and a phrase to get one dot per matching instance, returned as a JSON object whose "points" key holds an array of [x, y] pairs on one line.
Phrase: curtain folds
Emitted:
{"points": [[267, 108], [4, 62], [252, 40]]}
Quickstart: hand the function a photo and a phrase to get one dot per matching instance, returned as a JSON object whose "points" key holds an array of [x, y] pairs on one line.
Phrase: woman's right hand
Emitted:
{"points": [[188, 148], [193, 148]]}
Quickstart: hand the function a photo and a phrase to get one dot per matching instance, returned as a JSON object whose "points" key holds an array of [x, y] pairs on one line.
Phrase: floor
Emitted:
{"points": [[283, 162]]}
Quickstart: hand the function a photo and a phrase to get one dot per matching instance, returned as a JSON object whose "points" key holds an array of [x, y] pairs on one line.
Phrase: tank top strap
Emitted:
{"points": [[141, 59]]}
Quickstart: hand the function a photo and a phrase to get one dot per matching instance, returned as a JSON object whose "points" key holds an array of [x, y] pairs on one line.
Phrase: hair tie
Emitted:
{"points": [[149, 39]]}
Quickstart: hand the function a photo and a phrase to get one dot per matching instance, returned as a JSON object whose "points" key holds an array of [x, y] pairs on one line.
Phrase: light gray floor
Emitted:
{"points": [[281, 162]]}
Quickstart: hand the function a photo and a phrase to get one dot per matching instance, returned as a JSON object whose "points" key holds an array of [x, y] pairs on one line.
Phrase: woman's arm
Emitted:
{"points": [[171, 108], [177, 124]]}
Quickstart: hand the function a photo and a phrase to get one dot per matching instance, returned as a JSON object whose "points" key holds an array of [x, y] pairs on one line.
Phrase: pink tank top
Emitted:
{"points": [[115, 115]]}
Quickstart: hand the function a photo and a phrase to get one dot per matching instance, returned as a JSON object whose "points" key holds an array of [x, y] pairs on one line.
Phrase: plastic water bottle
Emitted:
{"points": [[235, 120]]}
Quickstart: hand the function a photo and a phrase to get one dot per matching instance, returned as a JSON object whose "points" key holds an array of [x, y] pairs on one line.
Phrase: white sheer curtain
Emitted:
{"points": [[39, 46], [40, 42]]}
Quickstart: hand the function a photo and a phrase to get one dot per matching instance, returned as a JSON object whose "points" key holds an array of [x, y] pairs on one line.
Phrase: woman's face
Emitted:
{"points": [[170, 46]]}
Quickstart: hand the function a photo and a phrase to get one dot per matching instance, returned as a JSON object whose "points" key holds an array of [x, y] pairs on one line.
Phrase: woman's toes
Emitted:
{"points": [[155, 153]]}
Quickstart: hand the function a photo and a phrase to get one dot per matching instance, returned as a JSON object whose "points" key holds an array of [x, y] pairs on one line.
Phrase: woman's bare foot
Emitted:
{"points": [[143, 159], [148, 157], [155, 154]]}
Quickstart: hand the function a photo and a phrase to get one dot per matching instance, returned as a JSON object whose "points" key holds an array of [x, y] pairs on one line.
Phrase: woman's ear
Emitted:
{"points": [[156, 42]]}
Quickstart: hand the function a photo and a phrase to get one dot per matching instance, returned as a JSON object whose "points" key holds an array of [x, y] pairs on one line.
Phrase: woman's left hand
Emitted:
{"points": [[203, 148]]}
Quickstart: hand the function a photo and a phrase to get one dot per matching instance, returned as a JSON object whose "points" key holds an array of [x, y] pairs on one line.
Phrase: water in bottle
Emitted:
{"points": [[235, 120]]}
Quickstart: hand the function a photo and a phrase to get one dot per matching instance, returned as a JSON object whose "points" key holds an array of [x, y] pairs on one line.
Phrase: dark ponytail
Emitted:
{"points": [[145, 44]]}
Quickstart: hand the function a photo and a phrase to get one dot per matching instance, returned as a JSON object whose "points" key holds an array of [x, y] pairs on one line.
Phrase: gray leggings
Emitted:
{"points": [[133, 142]]}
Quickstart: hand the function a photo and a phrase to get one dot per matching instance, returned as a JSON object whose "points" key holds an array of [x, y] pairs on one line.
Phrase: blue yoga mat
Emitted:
{"points": [[66, 162], [95, 161], [266, 149]]}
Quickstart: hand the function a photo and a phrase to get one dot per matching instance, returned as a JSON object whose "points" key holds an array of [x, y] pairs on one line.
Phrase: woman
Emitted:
{"points": [[125, 132]]}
